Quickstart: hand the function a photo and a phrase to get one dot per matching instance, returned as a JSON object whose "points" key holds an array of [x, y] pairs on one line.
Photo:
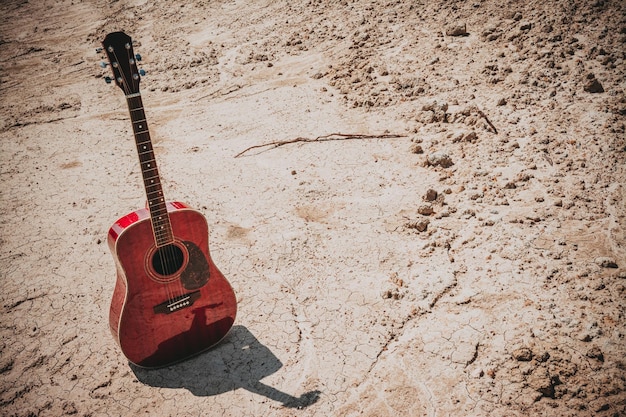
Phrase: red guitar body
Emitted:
{"points": [[159, 319]]}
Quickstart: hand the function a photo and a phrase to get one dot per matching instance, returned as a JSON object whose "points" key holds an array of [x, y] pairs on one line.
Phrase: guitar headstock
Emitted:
{"points": [[119, 49]]}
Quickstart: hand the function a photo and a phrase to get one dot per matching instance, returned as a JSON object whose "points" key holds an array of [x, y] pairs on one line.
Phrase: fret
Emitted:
{"points": [[152, 187], [144, 149], [140, 140], [158, 211], [162, 228], [146, 171], [154, 201], [155, 192], [162, 232]]}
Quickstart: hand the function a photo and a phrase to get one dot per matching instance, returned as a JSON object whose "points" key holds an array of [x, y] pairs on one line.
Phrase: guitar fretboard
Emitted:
{"points": [[159, 217]]}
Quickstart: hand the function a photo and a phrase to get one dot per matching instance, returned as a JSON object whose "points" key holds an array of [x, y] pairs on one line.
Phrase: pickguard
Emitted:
{"points": [[196, 274]]}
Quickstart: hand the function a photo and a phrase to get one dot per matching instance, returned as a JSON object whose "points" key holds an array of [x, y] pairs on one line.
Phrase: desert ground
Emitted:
{"points": [[436, 227]]}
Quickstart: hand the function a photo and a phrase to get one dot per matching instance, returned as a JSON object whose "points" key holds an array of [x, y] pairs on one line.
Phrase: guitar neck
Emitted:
{"points": [[159, 217]]}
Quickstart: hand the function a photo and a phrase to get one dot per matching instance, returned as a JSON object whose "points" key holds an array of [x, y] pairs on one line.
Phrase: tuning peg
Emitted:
{"points": [[103, 64], [108, 80], [142, 72], [138, 57]]}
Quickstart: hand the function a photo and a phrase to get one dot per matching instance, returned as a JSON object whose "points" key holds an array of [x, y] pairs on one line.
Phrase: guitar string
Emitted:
{"points": [[169, 250], [163, 252], [126, 83]]}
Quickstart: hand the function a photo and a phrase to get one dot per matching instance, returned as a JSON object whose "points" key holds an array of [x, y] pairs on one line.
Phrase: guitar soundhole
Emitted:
{"points": [[168, 260]]}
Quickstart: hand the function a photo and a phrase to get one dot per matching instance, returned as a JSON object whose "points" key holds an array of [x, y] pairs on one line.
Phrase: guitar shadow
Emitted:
{"points": [[239, 361]]}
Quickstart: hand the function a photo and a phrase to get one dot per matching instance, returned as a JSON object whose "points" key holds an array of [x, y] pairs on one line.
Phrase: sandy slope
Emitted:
{"points": [[474, 266]]}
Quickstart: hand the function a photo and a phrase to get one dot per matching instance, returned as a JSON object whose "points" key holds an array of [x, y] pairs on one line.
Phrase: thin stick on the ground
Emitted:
{"points": [[324, 138], [484, 116]]}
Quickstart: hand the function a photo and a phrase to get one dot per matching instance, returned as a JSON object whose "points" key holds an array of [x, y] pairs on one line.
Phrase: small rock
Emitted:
{"points": [[440, 158], [420, 225], [471, 137], [595, 353], [425, 210], [457, 30], [526, 26], [592, 85], [603, 407], [434, 106], [417, 149], [542, 382], [431, 195], [393, 294], [523, 354], [605, 262]]}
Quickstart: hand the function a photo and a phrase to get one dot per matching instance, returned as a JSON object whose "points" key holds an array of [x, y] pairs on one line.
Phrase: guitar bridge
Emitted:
{"points": [[177, 303]]}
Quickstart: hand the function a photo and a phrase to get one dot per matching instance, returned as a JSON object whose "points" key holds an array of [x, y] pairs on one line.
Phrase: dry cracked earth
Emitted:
{"points": [[439, 228]]}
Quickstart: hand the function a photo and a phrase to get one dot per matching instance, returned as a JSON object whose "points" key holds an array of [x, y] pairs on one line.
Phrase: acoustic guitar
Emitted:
{"points": [[170, 301]]}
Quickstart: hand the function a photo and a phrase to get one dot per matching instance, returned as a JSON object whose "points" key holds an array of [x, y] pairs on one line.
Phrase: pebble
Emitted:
{"points": [[425, 210], [606, 262], [459, 29], [420, 225], [440, 158], [595, 353], [523, 354], [542, 382], [435, 107], [526, 26], [431, 195], [592, 85]]}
